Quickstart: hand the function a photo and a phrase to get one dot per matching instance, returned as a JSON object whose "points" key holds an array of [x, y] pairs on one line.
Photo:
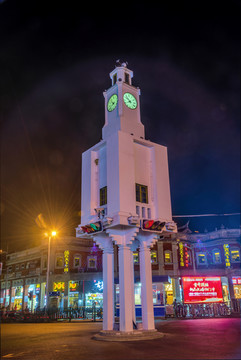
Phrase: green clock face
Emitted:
{"points": [[112, 102], [130, 101]]}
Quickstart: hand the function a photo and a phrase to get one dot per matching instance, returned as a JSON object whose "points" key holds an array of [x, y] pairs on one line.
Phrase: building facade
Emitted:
{"points": [[76, 278]]}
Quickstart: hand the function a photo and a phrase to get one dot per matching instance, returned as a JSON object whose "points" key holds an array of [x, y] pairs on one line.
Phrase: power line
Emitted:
{"points": [[202, 215]]}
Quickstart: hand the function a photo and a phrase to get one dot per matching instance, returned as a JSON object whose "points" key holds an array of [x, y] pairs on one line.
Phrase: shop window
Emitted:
{"points": [[103, 196], [216, 256], [59, 261], [142, 193], [235, 255], [168, 257], [138, 210], [77, 261], [153, 257], [136, 257], [92, 262], [201, 258]]}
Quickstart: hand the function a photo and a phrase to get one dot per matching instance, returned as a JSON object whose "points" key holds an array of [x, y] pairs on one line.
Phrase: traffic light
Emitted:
{"points": [[92, 227], [152, 225]]}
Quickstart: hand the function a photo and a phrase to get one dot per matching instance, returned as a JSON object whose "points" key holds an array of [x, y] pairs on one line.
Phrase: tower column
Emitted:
{"points": [[124, 238], [105, 243], [146, 280], [125, 283]]}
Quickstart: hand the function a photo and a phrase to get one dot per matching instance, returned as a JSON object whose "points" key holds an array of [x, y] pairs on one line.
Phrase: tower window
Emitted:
{"points": [[142, 193], [114, 79], [127, 78], [103, 196]]}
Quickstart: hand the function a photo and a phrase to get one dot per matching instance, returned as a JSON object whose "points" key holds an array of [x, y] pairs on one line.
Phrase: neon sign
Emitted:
{"points": [[73, 286], [199, 290], [66, 261], [59, 286], [181, 252], [99, 284], [227, 255]]}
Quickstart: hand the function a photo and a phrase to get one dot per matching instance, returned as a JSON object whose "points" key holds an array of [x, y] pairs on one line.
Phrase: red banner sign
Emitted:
{"points": [[199, 290]]}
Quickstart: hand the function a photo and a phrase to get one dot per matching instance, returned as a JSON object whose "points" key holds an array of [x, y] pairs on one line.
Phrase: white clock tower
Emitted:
{"points": [[125, 199], [122, 114]]}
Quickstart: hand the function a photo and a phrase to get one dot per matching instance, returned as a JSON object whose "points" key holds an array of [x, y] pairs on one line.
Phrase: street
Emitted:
{"points": [[183, 339]]}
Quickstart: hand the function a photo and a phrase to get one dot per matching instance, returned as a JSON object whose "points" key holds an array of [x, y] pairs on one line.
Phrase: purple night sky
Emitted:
{"points": [[55, 64]]}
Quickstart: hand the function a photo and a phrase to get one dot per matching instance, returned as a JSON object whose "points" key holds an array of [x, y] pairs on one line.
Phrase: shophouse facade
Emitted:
{"points": [[76, 272]]}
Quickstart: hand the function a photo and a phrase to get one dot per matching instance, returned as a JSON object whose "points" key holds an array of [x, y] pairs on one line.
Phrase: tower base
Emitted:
{"points": [[135, 335]]}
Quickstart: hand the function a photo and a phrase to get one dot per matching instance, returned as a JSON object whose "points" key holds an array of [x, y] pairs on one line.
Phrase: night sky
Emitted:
{"points": [[55, 63]]}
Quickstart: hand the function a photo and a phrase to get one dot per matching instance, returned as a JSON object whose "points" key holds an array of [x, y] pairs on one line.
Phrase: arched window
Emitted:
{"points": [[59, 261], [153, 257], [201, 258], [235, 255], [167, 257], [216, 254], [77, 261]]}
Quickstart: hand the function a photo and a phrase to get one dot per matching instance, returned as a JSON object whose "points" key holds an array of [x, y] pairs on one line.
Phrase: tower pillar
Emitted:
{"points": [[105, 243], [146, 280], [123, 238]]}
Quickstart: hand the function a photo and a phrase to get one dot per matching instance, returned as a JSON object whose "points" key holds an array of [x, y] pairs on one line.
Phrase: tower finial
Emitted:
{"points": [[119, 63]]}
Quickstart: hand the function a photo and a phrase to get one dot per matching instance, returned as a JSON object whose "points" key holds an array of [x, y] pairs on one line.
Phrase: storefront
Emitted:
{"points": [[236, 280], [33, 297], [59, 301], [17, 298], [74, 295], [158, 293]]}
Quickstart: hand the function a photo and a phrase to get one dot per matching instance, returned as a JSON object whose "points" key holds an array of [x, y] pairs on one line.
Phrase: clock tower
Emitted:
{"points": [[122, 105], [125, 200]]}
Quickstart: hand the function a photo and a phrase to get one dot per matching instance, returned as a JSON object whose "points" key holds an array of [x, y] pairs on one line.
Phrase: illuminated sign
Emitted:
{"points": [[73, 286], [152, 225], [58, 286], [66, 261], [99, 284], [226, 255], [236, 280], [92, 228], [199, 290], [181, 253]]}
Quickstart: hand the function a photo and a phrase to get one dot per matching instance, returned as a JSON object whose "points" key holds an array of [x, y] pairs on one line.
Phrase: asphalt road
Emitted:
{"points": [[183, 339]]}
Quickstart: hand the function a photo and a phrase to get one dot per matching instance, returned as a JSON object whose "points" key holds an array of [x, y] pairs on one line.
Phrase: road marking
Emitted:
{"points": [[11, 355]]}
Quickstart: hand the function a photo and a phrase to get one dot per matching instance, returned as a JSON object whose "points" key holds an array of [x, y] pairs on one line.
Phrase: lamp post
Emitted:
{"points": [[53, 234]]}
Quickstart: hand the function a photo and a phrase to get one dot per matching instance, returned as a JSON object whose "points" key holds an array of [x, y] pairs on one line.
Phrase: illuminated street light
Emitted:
{"points": [[53, 234]]}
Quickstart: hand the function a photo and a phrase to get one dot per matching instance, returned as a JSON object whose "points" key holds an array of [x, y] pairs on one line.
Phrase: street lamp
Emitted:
{"points": [[52, 234]]}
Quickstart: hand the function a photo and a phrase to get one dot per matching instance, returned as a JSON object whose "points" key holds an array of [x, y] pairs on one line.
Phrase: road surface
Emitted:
{"points": [[183, 339]]}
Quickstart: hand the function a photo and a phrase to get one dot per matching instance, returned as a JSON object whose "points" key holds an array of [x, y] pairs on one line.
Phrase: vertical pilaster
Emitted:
{"points": [[106, 245]]}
